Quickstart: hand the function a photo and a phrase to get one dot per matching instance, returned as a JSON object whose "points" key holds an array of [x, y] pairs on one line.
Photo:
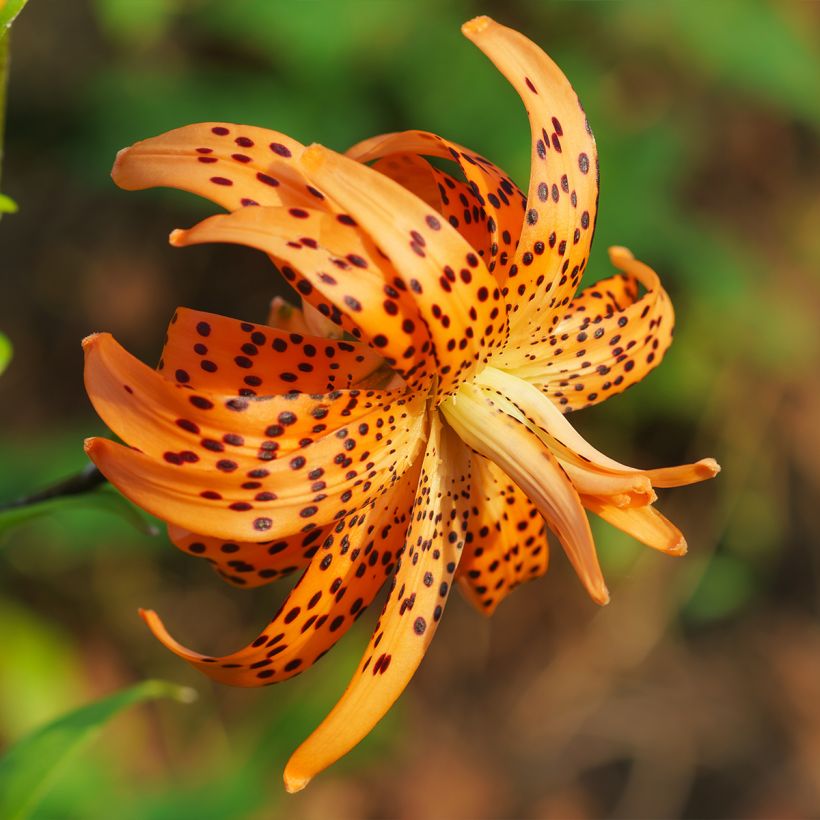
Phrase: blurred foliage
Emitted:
{"points": [[695, 693], [27, 769]]}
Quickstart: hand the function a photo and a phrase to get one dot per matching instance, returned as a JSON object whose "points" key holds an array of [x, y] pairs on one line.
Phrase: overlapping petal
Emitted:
{"points": [[456, 297], [562, 196], [352, 561], [419, 591], [589, 358], [506, 541], [244, 468]]}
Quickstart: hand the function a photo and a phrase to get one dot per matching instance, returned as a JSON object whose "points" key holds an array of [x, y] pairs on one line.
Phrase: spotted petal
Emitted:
{"points": [[201, 457], [589, 358], [220, 355], [333, 267], [506, 540], [455, 295], [490, 202], [563, 189], [251, 563], [352, 561], [418, 593], [232, 165]]}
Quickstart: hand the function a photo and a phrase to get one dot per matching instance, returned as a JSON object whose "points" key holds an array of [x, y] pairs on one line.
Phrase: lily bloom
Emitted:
{"points": [[410, 424]]}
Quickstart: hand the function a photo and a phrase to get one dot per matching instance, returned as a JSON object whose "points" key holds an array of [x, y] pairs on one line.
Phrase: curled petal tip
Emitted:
{"points": [[313, 157], [91, 445], [710, 465], [679, 549], [294, 783], [618, 252], [117, 167], [90, 341], [476, 25], [177, 237], [600, 595]]}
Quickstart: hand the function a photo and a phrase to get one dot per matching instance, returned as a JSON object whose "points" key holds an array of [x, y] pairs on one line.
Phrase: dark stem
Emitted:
{"points": [[89, 478]]}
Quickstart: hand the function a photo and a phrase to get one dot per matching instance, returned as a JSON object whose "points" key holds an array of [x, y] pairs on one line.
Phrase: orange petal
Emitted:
{"points": [[221, 355], [592, 359], [350, 566], [645, 524], [563, 190], [490, 427], [251, 563], [506, 541], [240, 468], [232, 165], [600, 300], [418, 593], [488, 211], [582, 461], [454, 294], [336, 270]]}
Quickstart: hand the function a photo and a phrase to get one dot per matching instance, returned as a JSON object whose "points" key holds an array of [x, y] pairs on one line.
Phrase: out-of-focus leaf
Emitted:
{"points": [[9, 9], [29, 767], [727, 585], [5, 349], [102, 500], [7, 205], [133, 23]]}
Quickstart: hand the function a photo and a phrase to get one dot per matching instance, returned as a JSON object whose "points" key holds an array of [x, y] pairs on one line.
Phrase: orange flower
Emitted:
{"points": [[410, 424]]}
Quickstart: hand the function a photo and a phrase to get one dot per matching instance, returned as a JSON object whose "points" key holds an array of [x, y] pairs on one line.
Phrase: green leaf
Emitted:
{"points": [[5, 349], [7, 205], [8, 11], [28, 769], [104, 499]]}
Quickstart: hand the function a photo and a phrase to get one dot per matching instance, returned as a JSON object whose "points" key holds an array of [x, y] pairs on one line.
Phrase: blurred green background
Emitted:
{"points": [[695, 693]]}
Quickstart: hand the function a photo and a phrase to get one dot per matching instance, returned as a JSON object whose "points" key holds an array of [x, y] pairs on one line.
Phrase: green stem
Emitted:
{"points": [[5, 37]]}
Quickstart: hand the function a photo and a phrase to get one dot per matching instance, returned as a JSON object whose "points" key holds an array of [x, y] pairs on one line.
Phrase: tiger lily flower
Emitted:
{"points": [[409, 424]]}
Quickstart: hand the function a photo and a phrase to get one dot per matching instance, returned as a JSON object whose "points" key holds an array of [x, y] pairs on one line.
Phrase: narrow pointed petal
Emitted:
{"points": [[406, 627], [594, 358], [645, 524], [562, 196], [506, 542], [489, 426], [582, 461], [455, 295], [203, 456], [339, 272], [214, 353], [232, 165], [599, 301], [251, 563], [352, 562], [490, 200]]}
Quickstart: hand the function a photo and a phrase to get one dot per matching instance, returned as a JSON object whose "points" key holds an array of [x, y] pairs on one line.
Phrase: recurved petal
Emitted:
{"points": [[352, 561], [209, 352], [582, 461], [334, 267], [251, 563], [488, 211], [491, 427], [455, 295], [563, 188], [201, 457], [645, 524], [418, 593], [591, 359], [232, 165], [506, 541]]}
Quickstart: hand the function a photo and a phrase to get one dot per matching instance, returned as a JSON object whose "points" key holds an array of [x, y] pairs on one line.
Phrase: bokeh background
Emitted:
{"points": [[695, 693]]}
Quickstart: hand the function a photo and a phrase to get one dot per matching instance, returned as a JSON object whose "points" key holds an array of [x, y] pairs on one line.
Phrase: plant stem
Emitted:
{"points": [[89, 478]]}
